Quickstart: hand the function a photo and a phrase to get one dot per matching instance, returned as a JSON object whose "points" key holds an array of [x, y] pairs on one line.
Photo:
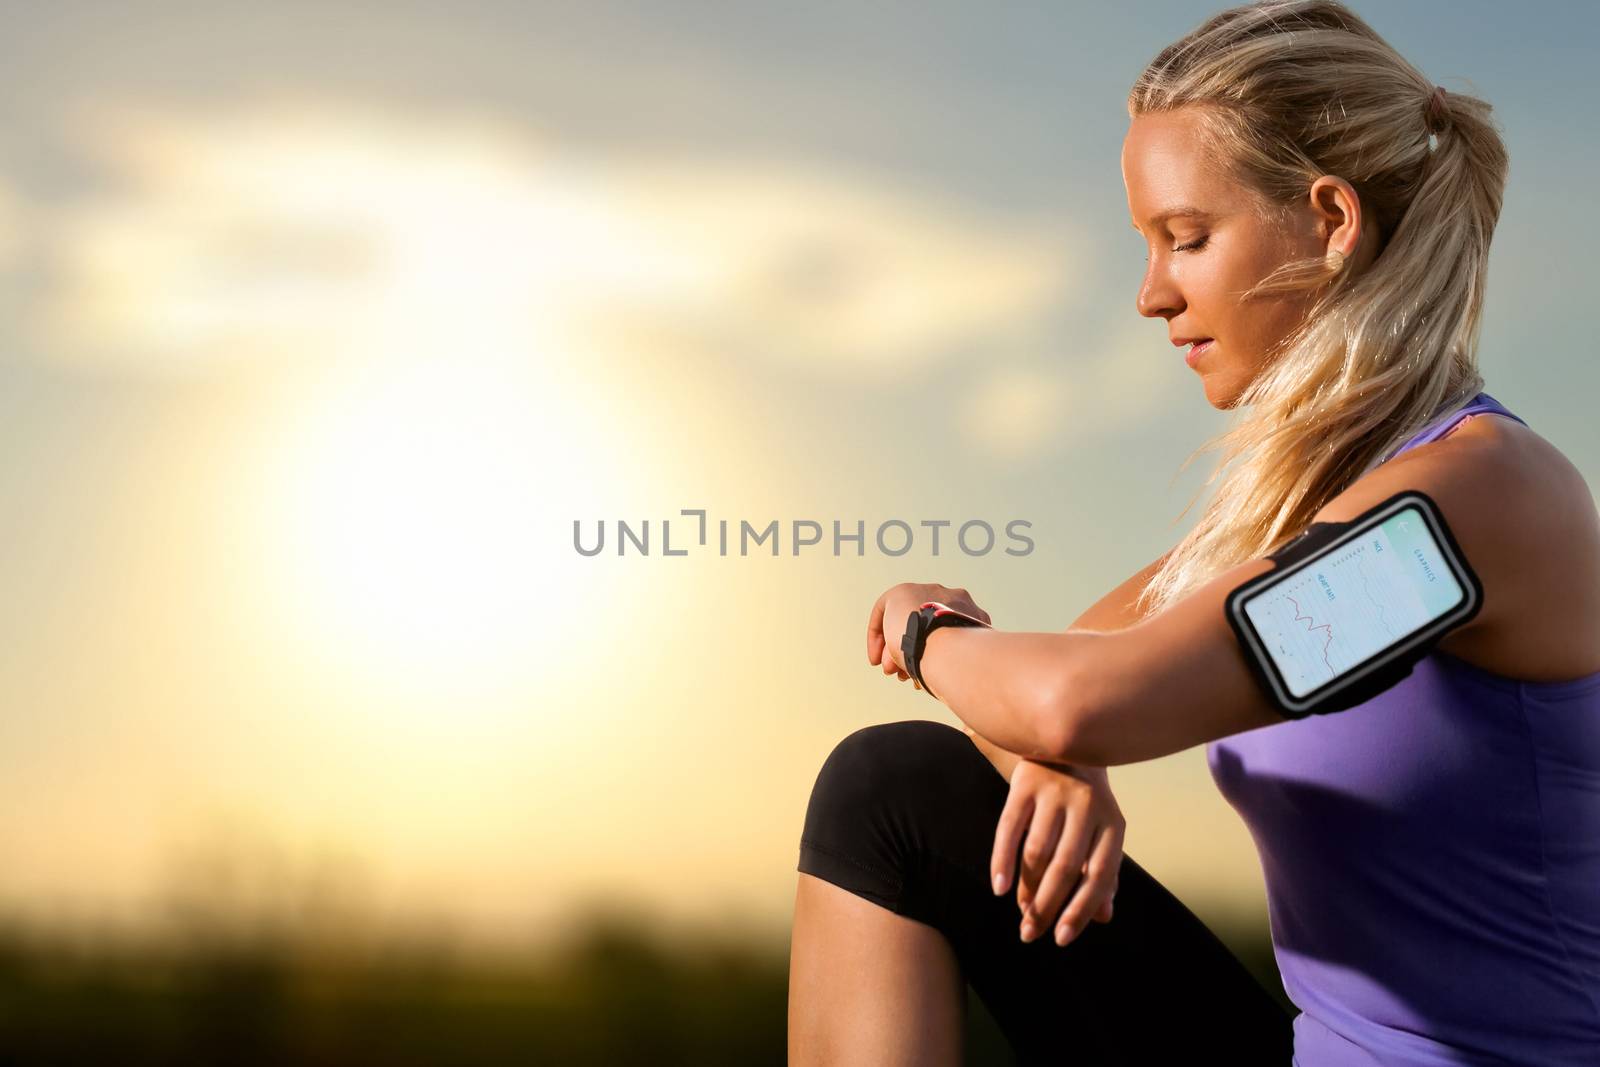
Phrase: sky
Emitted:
{"points": [[322, 325]]}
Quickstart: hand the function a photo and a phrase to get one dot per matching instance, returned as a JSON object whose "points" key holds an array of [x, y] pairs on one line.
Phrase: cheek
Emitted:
{"points": [[1213, 296], [1249, 325]]}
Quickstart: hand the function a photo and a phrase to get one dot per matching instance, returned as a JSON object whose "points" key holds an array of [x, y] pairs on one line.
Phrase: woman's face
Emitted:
{"points": [[1201, 259]]}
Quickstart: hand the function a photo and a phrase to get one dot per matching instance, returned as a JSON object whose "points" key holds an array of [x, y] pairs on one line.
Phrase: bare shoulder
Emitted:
{"points": [[1526, 520]]}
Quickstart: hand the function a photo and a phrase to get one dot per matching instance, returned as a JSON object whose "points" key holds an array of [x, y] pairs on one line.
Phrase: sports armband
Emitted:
{"points": [[1350, 607]]}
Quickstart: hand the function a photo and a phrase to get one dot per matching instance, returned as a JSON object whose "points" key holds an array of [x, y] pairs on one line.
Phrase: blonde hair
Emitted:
{"points": [[1284, 92]]}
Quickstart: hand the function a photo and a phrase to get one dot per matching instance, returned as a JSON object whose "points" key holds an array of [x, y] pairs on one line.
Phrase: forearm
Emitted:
{"points": [[1002, 684], [1005, 762]]}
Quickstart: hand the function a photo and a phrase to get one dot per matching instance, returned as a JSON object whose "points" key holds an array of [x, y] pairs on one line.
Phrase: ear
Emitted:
{"points": [[1337, 207]]}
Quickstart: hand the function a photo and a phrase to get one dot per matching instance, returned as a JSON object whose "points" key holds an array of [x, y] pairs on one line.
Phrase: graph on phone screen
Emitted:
{"points": [[1367, 594]]}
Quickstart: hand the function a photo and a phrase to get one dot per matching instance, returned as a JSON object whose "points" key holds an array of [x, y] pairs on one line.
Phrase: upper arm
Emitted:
{"points": [[1179, 678], [1115, 610]]}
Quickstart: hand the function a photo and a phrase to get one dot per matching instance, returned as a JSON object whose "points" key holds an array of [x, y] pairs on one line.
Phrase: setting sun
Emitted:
{"points": [[414, 505]]}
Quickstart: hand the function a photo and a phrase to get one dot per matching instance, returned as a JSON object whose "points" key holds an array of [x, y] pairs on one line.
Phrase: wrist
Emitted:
{"points": [[1004, 762], [1094, 775], [921, 635]]}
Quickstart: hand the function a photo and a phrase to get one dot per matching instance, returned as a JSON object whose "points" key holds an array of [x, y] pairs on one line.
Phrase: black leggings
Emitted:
{"points": [[904, 814]]}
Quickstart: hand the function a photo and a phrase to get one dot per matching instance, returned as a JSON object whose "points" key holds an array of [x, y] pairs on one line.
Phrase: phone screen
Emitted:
{"points": [[1338, 609]]}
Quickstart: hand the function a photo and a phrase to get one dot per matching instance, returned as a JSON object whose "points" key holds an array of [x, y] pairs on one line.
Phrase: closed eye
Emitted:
{"points": [[1192, 246]]}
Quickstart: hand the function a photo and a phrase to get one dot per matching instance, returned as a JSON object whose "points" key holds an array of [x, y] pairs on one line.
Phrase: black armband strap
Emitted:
{"points": [[1379, 586]]}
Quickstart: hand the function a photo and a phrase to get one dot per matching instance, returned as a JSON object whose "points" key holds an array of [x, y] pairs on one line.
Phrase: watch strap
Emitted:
{"points": [[932, 615]]}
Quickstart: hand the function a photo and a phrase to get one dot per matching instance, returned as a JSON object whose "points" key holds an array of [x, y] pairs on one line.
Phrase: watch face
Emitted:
{"points": [[908, 656], [915, 624]]}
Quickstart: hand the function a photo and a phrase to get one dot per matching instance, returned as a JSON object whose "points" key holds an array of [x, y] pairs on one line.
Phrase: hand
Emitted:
{"points": [[1068, 813], [887, 623]]}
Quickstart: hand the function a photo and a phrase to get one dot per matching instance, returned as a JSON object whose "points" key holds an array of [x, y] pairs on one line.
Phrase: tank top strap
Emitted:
{"points": [[1480, 404]]}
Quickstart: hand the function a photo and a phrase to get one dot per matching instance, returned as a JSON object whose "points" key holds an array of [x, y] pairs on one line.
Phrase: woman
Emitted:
{"points": [[1320, 215]]}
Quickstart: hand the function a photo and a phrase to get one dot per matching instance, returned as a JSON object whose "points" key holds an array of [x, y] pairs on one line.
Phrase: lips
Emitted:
{"points": [[1198, 349]]}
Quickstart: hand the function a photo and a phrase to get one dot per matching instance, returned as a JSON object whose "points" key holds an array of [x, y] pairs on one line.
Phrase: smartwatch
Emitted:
{"points": [[919, 624]]}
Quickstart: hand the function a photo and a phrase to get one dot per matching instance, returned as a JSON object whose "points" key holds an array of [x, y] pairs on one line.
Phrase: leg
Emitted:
{"points": [[903, 815], [867, 986]]}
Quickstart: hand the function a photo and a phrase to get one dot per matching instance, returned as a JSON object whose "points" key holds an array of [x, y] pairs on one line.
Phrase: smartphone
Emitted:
{"points": [[1351, 607]]}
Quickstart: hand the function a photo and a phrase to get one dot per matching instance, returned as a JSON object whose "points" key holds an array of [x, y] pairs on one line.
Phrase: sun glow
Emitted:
{"points": [[466, 332], [444, 415], [421, 515]]}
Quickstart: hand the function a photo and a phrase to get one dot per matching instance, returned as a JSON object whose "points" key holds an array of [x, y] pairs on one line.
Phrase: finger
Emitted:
{"points": [[1092, 892], [1104, 914], [1039, 845], [875, 629], [1007, 838], [892, 658], [1043, 833], [1064, 868], [1098, 877]]}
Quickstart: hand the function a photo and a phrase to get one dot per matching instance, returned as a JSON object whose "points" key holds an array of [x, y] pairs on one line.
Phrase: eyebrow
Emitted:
{"points": [[1174, 212]]}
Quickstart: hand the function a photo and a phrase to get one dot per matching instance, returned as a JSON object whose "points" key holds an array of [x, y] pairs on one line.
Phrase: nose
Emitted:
{"points": [[1157, 296]]}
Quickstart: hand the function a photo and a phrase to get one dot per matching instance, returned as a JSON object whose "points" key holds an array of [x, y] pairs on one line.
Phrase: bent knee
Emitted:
{"points": [[893, 764]]}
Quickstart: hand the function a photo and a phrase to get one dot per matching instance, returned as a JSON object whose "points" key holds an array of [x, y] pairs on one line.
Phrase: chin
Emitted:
{"points": [[1220, 396]]}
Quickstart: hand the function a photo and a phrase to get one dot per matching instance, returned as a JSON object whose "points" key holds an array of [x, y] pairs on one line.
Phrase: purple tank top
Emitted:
{"points": [[1432, 862]]}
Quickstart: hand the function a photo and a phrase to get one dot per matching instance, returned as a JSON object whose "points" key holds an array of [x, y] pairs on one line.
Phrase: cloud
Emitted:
{"points": [[304, 230], [1078, 391], [842, 275], [1018, 411]]}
